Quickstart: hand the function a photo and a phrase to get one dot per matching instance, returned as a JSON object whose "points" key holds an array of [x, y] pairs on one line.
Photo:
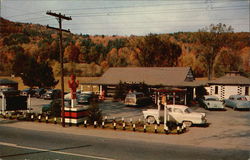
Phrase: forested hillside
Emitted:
{"points": [[213, 50]]}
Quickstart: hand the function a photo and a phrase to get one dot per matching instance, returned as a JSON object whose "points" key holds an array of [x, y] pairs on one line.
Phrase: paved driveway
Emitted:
{"points": [[111, 109], [119, 110]]}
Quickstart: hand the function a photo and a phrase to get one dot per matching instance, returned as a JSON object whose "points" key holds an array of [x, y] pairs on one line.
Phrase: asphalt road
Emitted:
{"points": [[23, 144]]}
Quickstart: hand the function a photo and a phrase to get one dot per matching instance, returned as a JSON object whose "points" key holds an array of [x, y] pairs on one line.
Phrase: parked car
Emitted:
{"points": [[27, 91], [46, 108], [176, 113], [211, 102], [52, 94], [137, 99], [237, 102], [67, 95], [9, 91], [39, 92], [86, 98]]}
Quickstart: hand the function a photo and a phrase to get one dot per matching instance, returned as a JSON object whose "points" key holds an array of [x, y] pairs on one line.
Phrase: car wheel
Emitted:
{"points": [[206, 108], [188, 123], [150, 120]]}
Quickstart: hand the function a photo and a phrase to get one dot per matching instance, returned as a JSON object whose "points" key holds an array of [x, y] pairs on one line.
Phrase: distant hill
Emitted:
{"points": [[98, 52]]}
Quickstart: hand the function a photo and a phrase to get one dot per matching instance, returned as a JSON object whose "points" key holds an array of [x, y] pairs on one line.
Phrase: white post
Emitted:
{"points": [[194, 92], [100, 90], [159, 106], [165, 115], [3, 103], [81, 88], [29, 103], [73, 103]]}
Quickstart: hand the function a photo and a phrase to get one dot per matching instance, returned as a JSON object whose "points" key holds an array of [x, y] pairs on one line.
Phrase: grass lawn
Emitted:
{"points": [[21, 86]]}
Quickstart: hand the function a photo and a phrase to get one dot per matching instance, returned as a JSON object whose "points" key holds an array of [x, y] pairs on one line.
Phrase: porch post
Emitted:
{"points": [[173, 98], [194, 92], [100, 90], [185, 99], [159, 106]]}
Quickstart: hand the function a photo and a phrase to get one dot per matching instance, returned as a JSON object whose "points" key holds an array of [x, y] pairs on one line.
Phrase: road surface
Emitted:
{"points": [[27, 144]]}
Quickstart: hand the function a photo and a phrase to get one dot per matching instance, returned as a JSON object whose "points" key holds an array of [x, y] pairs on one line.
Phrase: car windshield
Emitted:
{"points": [[139, 95], [130, 95], [212, 99], [85, 94], [7, 89], [242, 98], [50, 91], [188, 110]]}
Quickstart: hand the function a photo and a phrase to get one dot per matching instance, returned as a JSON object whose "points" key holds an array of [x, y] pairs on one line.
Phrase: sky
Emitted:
{"points": [[131, 17]]}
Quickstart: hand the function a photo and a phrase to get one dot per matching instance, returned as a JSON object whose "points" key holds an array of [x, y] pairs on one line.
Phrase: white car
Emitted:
{"points": [[211, 102], [175, 113]]}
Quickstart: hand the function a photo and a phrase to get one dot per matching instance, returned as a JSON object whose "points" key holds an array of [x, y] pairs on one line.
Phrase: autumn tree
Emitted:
{"points": [[71, 53], [211, 40], [157, 52], [226, 61]]}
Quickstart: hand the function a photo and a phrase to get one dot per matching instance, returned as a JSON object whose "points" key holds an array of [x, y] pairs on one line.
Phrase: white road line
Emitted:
{"points": [[58, 152]]}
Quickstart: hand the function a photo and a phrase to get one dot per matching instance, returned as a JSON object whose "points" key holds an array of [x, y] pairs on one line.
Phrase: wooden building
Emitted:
{"points": [[230, 84], [154, 77]]}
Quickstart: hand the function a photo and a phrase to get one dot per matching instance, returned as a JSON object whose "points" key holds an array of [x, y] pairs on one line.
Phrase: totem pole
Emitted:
{"points": [[73, 84]]}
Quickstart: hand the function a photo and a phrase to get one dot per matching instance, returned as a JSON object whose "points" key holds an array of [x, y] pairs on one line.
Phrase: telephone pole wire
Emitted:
{"points": [[59, 18]]}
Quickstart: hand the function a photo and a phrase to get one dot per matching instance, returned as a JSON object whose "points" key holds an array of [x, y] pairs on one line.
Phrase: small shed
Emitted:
{"points": [[7, 83], [230, 84]]}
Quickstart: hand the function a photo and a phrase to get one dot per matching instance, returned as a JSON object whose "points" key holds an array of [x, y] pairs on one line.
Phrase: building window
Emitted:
{"points": [[216, 90], [246, 91]]}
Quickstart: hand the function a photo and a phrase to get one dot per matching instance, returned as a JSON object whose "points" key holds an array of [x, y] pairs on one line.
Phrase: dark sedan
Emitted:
{"points": [[52, 94], [86, 98], [27, 92], [39, 92]]}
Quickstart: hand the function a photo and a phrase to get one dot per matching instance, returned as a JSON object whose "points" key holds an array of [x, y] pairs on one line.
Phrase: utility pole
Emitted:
{"points": [[59, 18]]}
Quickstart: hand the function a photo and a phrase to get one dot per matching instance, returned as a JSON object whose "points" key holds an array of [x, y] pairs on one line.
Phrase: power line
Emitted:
{"points": [[142, 6], [150, 22], [127, 13], [97, 14], [116, 7], [163, 11]]}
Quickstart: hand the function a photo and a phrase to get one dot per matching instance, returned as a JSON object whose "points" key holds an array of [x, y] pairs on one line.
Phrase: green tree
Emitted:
{"points": [[227, 61], [33, 73], [55, 109], [45, 76], [94, 114], [120, 91]]}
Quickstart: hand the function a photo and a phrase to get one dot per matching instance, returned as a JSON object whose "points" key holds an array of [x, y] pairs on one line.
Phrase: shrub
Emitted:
{"points": [[55, 108], [94, 114], [144, 101]]}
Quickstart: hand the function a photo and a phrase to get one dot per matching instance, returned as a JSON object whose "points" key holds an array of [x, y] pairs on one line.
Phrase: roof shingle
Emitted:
{"points": [[231, 80], [167, 76]]}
